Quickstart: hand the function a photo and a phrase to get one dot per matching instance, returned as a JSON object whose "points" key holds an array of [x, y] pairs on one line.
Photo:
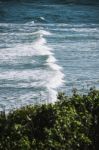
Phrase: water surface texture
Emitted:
{"points": [[45, 48]]}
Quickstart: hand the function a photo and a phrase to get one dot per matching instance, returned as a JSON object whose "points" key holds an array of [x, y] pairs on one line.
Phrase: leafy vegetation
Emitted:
{"points": [[72, 123]]}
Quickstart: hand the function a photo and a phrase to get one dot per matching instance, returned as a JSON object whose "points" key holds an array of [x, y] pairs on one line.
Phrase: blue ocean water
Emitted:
{"points": [[46, 47]]}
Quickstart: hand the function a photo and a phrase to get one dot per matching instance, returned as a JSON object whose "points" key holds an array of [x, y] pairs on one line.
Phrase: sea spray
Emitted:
{"points": [[56, 79]]}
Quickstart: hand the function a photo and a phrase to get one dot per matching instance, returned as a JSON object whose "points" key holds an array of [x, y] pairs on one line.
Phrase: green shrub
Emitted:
{"points": [[72, 123]]}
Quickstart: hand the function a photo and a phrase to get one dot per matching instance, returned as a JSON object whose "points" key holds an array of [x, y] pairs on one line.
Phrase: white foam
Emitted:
{"points": [[51, 59], [52, 96], [36, 48], [41, 47], [30, 23], [56, 80], [40, 41], [53, 84], [27, 75], [42, 18], [41, 32], [44, 32], [55, 66]]}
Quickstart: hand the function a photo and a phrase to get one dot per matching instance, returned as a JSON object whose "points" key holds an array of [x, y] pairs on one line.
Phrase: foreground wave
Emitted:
{"points": [[29, 68]]}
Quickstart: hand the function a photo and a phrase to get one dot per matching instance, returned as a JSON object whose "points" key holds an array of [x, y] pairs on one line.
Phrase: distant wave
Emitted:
{"points": [[51, 2]]}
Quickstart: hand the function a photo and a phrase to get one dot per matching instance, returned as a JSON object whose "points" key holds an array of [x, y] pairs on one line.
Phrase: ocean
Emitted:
{"points": [[47, 47]]}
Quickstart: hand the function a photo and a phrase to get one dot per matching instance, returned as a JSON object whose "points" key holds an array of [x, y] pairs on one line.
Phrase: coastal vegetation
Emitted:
{"points": [[72, 123]]}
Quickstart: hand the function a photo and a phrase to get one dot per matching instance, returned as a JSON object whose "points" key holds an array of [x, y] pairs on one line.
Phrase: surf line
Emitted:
{"points": [[57, 76]]}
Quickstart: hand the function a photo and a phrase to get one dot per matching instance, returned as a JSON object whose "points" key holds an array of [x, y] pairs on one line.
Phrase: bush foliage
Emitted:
{"points": [[72, 123]]}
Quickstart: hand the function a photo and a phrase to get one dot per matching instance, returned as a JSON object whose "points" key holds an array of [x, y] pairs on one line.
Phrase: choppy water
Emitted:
{"points": [[45, 48]]}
